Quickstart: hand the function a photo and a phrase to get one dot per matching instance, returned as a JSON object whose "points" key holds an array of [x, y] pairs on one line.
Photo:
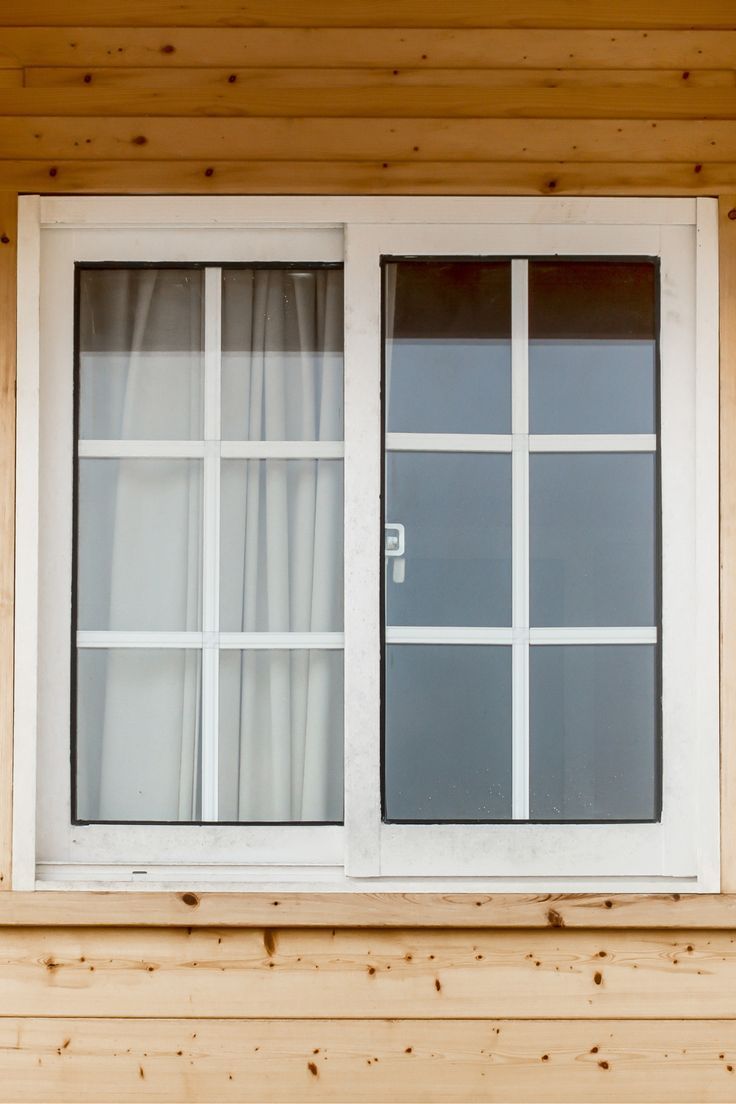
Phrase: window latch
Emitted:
{"points": [[394, 544]]}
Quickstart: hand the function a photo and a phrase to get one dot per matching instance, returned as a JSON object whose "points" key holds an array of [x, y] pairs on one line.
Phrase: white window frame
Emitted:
{"points": [[680, 853]]}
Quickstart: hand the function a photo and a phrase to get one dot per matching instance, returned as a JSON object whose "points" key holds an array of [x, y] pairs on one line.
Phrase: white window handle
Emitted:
{"points": [[394, 539], [394, 543]]}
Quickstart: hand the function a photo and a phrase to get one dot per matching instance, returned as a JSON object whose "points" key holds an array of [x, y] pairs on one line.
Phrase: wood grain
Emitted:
{"points": [[216, 177], [325, 47], [319, 139], [8, 221], [374, 13], [500, 96], [402, 1061], [368, 910], [91, 78], [334, 974]]}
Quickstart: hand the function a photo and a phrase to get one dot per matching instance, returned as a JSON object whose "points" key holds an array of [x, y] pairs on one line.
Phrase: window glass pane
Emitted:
{"points": [[281, 547], [282, 342], [448, 732], [448, 346], [456, 513], [281, 735], [138, 715], [592, 538], [139, 550], [140, 353], [593, 739], [592, 347]]}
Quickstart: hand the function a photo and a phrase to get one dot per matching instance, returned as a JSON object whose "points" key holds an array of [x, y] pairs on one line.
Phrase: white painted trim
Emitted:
{"points": [[282, 450], [587, 635], [25, 708], [210, 734], [593, 442], [520, 538], [231, 212], [145, 450], [707, 556], [449, 442], [227, 450], [363, 553], [244, 641]]}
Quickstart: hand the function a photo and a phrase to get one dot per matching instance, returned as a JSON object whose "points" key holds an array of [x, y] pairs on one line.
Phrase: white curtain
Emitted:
{"points": [[139, 550], [140, 546], [281, 747]]}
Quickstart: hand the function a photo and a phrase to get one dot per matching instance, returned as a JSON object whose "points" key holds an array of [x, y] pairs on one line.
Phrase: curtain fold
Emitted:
{"points": [[141, 353], [287, 738], [140, 546]]}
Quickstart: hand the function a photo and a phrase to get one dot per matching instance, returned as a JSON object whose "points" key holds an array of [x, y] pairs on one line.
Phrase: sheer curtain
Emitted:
{"points": [[139, 544], [281, 710], [140, 534]]}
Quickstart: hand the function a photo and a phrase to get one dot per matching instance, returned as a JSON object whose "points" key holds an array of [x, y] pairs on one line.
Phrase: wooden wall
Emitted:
{"points": [[214, 998]]}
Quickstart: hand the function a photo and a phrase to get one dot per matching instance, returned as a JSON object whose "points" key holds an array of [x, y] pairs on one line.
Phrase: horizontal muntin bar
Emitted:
{"points": [[449, 442], [505, 442], [244, 641], [297, 450], [593, 442], [227, 450], [439, 634]]}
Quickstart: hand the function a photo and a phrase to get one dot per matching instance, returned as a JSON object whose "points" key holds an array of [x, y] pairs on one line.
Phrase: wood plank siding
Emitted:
{"points": [[208, 997]]}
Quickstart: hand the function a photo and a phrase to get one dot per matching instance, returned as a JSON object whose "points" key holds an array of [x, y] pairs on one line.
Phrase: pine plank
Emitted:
{"points": [[8, 219], [374, 13], [376, 47], [319, 139], [334, 974], [368, 910], [214, 177], [543, 97], [400, 1061], [92, 79]]}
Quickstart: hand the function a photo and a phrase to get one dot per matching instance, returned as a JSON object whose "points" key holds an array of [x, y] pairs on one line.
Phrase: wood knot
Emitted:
{"points": [[140, 140], [598, 977], [4, 239], [313, 1069], [554, 919], [87, 78], [732, 214], [209, 171], [53, 170], [168, 49], [190, 899], [269, 942], [232, 78], [603, 1065]]}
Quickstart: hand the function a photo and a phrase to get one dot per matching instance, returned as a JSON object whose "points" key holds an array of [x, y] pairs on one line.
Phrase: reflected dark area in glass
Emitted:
{"points": [[141, 333], [592, 346], [592, 539], [448, 732], [593, 733], [448, 346], [456, 510]]}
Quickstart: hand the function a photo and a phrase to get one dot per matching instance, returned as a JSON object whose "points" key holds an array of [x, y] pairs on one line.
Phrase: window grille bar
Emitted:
{"points": [[520, 537], [211, 544]]}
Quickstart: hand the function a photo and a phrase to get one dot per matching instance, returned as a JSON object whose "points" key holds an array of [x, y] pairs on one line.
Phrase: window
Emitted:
{"points": [[371, 544]]}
